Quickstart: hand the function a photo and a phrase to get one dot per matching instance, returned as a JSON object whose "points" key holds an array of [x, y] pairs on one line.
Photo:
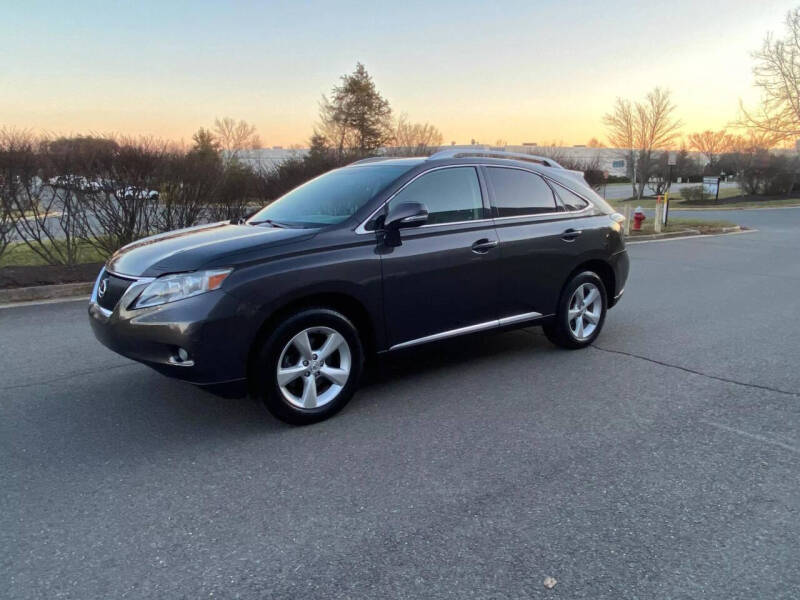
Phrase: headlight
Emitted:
{"points": [[170, 288]]}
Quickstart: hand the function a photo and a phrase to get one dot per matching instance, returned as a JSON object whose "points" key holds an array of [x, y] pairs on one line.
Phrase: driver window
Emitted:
{"points": [[450, 195]]}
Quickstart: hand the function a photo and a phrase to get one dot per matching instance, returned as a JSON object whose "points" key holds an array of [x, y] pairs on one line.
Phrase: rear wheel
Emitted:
{"points": [[581, 312], [308, 369]]}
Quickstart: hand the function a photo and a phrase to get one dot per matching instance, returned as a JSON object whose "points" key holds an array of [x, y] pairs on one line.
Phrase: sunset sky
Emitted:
{"points": [[519, 71]]}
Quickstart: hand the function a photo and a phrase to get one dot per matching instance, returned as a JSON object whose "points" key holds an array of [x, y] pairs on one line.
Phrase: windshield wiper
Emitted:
{"points": [[277, 224]]}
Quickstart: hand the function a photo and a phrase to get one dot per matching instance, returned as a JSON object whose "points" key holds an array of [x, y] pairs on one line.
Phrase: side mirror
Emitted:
{"points": [[406, 214]]}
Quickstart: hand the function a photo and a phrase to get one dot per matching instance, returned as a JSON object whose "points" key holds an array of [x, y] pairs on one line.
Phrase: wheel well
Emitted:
{"points": [[347, 305], [604, 271]]}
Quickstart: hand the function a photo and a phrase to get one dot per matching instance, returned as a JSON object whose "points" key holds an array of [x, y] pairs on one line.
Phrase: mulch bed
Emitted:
{"points": [[13, 277]]}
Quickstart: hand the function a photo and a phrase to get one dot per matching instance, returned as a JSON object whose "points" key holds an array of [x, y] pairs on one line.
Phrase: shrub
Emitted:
{"points": [[618, 179], [692, 193], [595, 177], [767, 174]]}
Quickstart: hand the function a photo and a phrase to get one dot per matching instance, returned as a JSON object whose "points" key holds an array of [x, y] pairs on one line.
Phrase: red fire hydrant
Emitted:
{"points": [[638, 217]]}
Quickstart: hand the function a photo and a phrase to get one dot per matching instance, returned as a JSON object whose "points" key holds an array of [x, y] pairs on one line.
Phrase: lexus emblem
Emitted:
{"points": [[101, 291]]}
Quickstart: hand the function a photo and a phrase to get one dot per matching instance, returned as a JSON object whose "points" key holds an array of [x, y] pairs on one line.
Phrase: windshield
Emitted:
{"points": [[330, 198]]}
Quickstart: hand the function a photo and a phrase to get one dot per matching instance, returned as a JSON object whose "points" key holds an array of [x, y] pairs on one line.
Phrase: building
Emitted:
{"points": [[614, 161]]}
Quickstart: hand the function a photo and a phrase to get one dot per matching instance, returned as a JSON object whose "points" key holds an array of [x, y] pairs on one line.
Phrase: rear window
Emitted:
{"points": [[518, 193], [569, 199]]}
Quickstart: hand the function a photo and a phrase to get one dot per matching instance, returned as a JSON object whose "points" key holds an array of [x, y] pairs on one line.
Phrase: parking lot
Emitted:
{"points": [[664, 462]]}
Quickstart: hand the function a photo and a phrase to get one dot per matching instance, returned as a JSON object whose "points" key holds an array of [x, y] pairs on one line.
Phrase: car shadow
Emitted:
{"points": [[133, 414], [439, 356]]}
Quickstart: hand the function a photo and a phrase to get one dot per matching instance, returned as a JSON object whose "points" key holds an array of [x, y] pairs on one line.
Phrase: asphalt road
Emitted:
{"points": [[662, 463]]}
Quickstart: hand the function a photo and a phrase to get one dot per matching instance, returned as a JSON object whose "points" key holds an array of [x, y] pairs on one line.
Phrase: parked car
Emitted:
{"points": [[131, 192], [378, 256], [75, 182]]}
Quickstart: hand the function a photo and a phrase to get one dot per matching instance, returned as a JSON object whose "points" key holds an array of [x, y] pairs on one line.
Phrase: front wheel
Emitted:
{"points": [[581, 312], [308, 369]]}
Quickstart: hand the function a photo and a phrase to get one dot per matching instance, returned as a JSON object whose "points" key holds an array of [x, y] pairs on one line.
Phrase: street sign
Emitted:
{"points": [[711, 187]]}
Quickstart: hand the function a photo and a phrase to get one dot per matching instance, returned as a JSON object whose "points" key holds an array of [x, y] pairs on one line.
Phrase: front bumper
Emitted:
{"points": [[207, 327]]}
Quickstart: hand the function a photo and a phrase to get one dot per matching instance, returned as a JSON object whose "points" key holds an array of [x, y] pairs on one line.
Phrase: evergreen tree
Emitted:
{"points": [[356, 119]]}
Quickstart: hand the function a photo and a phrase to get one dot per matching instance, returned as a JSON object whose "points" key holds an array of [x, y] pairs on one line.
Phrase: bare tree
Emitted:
{"points": [[622, 127], [189, 187], [415, 139], [234, 136], [641, 128], [123, 206], [6, 226], [237, 188], [777, 74], [43, 212], [710, 143], [595, 143], [752, 141]]}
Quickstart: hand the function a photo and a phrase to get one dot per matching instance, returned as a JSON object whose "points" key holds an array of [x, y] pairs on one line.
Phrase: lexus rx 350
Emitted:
{"points": [[377, 256]]}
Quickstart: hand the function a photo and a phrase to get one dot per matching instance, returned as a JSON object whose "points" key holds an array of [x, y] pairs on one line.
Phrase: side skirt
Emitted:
{"points": [[486, 326]]}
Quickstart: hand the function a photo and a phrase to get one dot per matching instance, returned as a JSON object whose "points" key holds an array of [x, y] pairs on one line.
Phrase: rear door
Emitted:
{"points": [[537, 246], [443, 276]]}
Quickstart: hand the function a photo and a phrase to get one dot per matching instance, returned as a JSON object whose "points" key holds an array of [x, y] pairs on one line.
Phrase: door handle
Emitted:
{"points": [[482, 246], [570, 235]]}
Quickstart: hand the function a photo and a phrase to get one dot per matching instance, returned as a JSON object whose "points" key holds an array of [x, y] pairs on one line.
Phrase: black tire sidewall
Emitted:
{"points": [[267, 362]]}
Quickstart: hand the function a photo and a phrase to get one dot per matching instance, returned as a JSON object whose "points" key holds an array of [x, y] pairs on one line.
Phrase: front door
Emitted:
{"points": [[443, 276]]}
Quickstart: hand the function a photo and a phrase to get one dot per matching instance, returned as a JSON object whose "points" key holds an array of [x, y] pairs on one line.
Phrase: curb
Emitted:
{"points": [[684, 233], [716, 208], [66, 291], [729, 207], [45, 292]]}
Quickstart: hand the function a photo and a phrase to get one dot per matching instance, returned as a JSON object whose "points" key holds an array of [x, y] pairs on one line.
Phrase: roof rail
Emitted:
{"points": [[459, 153], [371, 159]]}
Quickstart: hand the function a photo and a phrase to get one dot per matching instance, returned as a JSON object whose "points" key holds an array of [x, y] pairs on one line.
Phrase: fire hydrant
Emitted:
{"points": [[638, 217]]}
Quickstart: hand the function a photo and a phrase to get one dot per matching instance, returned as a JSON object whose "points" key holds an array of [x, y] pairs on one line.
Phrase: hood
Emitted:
{"points": [[196, 247]]}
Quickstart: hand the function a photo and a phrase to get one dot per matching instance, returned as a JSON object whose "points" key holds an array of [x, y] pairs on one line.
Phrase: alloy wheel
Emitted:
{"points": [[585, 310], [313, 367]]}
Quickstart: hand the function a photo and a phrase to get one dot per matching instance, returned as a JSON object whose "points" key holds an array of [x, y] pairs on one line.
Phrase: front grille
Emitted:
{"points": [[112, 288]]}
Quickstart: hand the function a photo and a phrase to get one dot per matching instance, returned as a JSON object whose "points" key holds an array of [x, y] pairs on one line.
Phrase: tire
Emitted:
{"points": [[304, 366], [565, 331]]}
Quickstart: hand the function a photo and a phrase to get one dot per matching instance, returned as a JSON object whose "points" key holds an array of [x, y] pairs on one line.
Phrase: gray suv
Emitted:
{"points": [[378, 256]]}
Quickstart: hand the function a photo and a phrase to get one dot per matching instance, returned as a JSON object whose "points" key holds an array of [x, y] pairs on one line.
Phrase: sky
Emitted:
{"points": [[520, 71]]}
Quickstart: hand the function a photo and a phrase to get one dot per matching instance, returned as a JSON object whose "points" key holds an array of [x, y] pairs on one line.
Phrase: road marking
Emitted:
{"points": [[753, 436], [48, 301], [690, 237]]}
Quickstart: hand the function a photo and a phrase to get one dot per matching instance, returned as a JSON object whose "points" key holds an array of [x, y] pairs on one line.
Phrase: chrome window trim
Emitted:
{"points": [[581, 196], [550, 182], [494, 324], [361, 230], [452, 223], [566, 213]]}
